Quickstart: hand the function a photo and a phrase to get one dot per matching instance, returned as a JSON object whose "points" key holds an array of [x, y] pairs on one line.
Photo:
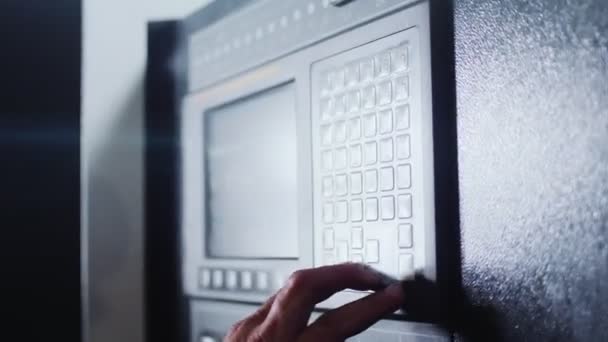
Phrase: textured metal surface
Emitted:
{"points": [[532, 93]]}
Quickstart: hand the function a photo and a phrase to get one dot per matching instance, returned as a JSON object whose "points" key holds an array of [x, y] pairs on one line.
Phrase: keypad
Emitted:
{"points": [[366, 167]]}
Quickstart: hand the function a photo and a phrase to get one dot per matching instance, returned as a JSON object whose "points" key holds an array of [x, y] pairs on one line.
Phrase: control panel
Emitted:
{"points": [[307, 140]]}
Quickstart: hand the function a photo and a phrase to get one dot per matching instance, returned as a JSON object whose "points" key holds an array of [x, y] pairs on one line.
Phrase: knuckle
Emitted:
{"points": [[297, 281]]}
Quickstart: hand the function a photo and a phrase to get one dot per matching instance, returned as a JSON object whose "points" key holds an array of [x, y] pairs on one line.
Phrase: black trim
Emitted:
{"points": [[162, 267], [447, 214]]}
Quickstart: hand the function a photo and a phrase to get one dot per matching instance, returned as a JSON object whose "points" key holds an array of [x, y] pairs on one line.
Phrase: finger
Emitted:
{"points": [[355, 317], [291, 310], [242, 329]]}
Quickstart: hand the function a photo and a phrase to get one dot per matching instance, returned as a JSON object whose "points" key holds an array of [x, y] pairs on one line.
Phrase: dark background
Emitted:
{"points": [[40, 44]]}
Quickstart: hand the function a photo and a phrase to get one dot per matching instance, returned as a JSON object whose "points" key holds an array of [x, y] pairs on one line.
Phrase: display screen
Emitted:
{"points": [[251, 177]]}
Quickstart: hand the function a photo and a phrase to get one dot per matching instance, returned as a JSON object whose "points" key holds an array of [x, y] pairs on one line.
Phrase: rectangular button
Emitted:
{"points": [[371, 181], [356, 183], [405, 206], [339, 107], [327, 160], [342, 251], [327, 109], [356, 237], [386, 150], [368, 97], [356, 210], [400, 58], [337, 82], [366, 68], [341, 211], [388, 207], [246, 280], [385, 93], [204, 278], [354, 128], [406, 266], [369, 125], [326, 135], [406, 236], [340, 158], [371, 153], [328, 238], [328, 212], [403, 146], [404, 176], [402, 88], [261, 281], [402, 117], [231, 279], [372, 251], [352, 74], [371, 209], [383, 64], [356, 154], [341, 185], [340, 132], [217, 279], [328, 186], [387, 176], [386, 121], [353, 101]]}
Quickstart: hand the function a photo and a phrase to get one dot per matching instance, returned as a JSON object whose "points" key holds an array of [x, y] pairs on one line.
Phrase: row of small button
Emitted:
{"points": [[405, 237], [405, 262], [373, 124], [339, 211], [369, 153], [373, 180], [367, 69], [383, 94], [218, 279]]}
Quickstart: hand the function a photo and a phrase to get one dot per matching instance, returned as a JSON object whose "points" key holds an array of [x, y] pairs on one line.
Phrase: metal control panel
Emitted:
{"points": [[306, 139]]}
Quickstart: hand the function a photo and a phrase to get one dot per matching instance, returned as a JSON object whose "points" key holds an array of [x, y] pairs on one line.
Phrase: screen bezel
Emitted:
{"points": [[192, 163]]}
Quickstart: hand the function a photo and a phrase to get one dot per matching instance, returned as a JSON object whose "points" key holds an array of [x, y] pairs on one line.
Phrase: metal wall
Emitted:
{"points": [[532, 104]]}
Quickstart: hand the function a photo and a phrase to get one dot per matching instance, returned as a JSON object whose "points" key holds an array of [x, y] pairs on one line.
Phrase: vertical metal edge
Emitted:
{"points": [[447, 214]]}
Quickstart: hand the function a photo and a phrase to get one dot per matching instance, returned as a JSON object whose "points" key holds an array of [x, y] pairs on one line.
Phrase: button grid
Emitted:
{"points": [[365, 154]]}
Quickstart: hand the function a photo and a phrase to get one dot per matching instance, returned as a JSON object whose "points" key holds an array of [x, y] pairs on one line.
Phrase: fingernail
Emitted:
{"points": [[394, 290]]}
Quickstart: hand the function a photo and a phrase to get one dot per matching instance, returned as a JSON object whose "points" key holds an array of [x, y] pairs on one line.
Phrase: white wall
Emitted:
{"points": [[114, 59]]}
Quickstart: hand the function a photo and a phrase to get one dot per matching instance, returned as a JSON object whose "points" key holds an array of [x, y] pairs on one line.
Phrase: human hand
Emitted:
{"points": [[285, 316]]}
